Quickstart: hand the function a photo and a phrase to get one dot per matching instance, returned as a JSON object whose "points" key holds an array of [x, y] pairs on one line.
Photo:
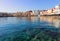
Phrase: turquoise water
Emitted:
{"points": [[29, 28]]}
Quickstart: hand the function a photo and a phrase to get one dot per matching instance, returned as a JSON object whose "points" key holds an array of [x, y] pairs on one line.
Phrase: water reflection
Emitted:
{"points": [[9, 21], [53, 20]]}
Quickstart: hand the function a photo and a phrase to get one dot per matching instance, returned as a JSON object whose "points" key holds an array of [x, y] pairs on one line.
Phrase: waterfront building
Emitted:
{"points": [[36, 12], [50, 11], [57, 9], [43, 12], [31, 12]]}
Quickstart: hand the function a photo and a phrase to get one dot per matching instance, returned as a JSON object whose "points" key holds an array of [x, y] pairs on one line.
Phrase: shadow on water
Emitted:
{"points": [[45, 28]]}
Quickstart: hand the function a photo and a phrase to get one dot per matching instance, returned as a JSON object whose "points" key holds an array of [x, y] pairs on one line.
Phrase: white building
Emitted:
{"points": [[57, 9], [36, 12]]}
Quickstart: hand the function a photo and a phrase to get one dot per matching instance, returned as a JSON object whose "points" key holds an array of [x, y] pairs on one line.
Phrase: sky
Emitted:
{"points": [[25, 5]]}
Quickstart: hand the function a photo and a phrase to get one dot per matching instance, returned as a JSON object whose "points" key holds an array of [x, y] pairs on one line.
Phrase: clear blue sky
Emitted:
{"points": [[24, 5]]}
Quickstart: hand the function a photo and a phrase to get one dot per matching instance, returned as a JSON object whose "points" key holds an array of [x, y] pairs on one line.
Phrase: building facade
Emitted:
{"points": [[36, 12], [57, 9]]}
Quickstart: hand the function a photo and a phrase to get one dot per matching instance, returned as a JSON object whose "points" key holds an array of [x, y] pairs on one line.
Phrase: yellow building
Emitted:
{"points": [[50, 11]]}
